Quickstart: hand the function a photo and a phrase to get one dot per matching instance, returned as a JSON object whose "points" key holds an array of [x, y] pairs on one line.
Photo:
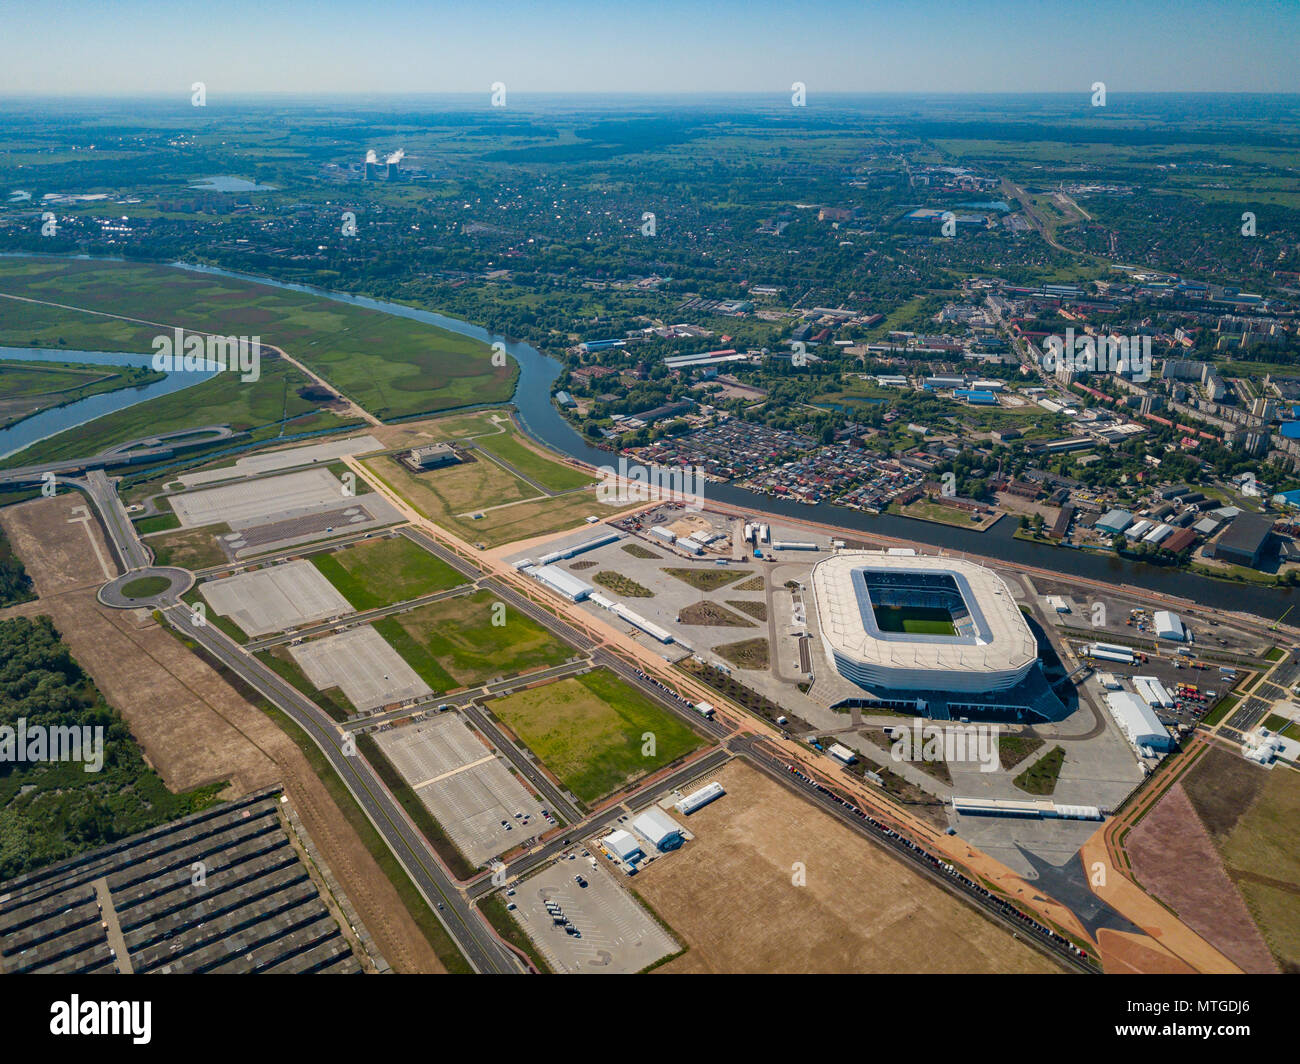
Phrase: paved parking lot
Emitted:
{"points": [[361, 664], [253, 499], [283, 459], [276, 598], [469, 790], [618, 935]]}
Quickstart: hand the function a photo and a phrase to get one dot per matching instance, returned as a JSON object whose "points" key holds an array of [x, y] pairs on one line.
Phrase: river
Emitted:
{"points": [[56, 419], [543, 420]]}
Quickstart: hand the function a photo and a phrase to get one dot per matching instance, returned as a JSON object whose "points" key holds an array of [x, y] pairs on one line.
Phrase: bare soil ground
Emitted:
{"points": [[1127, 954], [729, 895], [194, 727], [1175, 860]]}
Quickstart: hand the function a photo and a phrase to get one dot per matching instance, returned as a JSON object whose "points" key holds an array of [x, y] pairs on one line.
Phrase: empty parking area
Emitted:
{"points": [[253, 499], [468, 789], [617, 935], [362, 666], [286, 458], [303, 526], [274, 599]]}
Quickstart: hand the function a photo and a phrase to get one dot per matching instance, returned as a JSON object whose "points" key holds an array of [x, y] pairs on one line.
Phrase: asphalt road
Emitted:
{"points": [[463, 922]]}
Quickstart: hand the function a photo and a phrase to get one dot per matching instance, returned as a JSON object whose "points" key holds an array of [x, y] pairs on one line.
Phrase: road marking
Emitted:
{"points": [[455, 771], [84, 521]]}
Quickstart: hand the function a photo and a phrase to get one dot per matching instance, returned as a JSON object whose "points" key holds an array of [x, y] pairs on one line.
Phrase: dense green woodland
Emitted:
{"points": [[15, 584]]}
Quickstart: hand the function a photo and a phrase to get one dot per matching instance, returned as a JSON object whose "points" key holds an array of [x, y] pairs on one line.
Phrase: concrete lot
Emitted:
{"points": [[309, 523], [468, 789], [254, 499], [283, 459], [362, 665], [618, 935], [271, 600]]}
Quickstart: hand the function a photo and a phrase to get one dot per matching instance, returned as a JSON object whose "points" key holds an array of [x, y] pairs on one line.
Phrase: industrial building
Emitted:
{"points": [[1245, 541], [1113, 522], [1169, 626], [842, 753], [1110, 652], [1024, 808], [699, 799], [561, 582], [658, 829], [432, 456], [1138, 722], [1153, 692], [623, 845]]}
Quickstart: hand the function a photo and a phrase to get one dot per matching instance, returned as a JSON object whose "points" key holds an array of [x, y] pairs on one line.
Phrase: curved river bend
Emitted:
{"points": [[539, 416]]}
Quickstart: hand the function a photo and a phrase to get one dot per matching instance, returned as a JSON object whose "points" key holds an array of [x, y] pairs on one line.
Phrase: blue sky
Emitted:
{"points": [[79, 47]]}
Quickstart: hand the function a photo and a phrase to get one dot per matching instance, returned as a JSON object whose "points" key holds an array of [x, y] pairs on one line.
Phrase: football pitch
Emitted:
{"points": [[914, 620]]}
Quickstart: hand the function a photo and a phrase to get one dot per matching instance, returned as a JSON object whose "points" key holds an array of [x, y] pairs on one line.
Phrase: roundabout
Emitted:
{"points": [[146, 588]]}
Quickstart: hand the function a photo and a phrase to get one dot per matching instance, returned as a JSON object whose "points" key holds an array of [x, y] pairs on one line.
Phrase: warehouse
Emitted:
{"points": [[562, 583], [1137, 721], [622, 845], [1169, 626], [699, 799], [1110, 652], [1153, 692], [842, 753], [1245, 541], [1114, 522], [658, 829]]}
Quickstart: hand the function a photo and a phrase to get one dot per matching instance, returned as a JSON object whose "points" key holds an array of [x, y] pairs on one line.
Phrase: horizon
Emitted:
{"points": [[891, 47]]}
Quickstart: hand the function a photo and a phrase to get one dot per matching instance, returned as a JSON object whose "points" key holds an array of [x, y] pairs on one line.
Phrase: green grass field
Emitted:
{"points": [[189, 548], [511, 509], [146, 587], [589, 730], [707, 579], [380, 572], [550, 474], [222, 400], [393, 366], [1040, 777], [453, 643], [157, 523], [914, 620], [26, 387]]}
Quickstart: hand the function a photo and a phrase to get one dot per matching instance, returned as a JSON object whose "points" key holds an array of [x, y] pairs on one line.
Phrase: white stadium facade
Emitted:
{"points": [[990, 648]]}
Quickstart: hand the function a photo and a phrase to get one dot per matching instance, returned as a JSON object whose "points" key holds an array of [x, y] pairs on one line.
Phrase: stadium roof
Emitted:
{"points": [[1001, 641]]}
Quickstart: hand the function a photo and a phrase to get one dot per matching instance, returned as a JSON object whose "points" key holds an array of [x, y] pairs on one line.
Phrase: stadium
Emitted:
{"points": [[894, 624]]}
